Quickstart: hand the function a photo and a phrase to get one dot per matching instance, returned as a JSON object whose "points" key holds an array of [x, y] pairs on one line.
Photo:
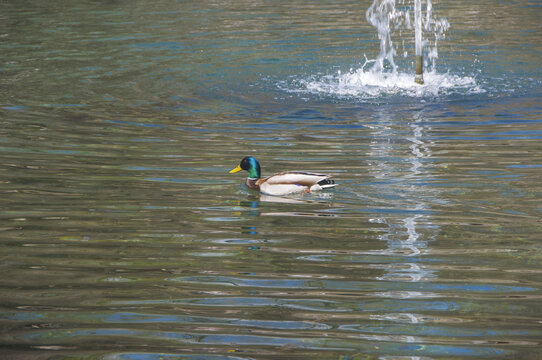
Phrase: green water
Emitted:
{"points": [[123, 236]]}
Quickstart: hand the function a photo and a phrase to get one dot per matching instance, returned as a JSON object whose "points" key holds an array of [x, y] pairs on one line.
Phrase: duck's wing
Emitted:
{"points": [[295, 177]]}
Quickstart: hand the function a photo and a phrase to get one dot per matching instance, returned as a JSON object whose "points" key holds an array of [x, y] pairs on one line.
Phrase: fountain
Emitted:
{"points": [[412, 22], [386, 17]]}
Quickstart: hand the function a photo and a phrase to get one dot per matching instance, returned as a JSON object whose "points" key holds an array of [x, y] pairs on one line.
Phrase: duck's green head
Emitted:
{"points": [[250, 164]]}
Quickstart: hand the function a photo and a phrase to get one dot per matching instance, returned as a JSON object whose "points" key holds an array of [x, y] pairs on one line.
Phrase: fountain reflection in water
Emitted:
{"points": [[405, 236], [409, 233]]}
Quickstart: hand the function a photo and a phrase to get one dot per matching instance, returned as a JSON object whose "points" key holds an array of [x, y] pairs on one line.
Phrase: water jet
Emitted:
{"points": [[406, 30]]}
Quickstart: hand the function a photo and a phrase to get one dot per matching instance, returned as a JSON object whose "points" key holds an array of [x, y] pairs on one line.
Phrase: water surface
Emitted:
{"points": [[124, 237]]}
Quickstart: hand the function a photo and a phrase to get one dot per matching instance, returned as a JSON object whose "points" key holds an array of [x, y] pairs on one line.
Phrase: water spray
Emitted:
{"points": [[397, 19]]}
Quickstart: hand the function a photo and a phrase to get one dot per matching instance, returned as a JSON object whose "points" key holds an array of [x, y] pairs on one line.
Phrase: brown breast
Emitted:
{"points": [[253, 184]]}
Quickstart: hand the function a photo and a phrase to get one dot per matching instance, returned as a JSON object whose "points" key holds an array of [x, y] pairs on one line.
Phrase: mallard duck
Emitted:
{"points": [[282, 183]]}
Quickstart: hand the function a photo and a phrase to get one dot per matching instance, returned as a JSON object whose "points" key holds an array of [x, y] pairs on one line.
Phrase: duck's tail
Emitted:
{"points": [[327, 183]]}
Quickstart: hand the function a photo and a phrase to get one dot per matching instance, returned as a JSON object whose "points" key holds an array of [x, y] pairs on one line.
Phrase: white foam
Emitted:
{"points": [[370, 84]]}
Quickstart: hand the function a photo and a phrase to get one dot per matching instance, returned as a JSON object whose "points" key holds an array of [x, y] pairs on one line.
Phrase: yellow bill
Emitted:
{"points": [[238, 168]]}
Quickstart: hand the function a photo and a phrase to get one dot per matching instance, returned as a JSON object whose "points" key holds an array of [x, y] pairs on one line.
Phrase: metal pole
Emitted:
{"points": [[418, 78]]}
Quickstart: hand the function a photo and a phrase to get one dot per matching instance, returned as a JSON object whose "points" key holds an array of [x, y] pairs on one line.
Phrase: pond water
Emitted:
{"points": [[123, 236]]}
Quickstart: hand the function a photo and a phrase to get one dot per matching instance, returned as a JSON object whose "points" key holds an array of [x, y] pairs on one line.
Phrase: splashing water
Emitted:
{"points": [[386, 17], [382, 76], [371, 84]]}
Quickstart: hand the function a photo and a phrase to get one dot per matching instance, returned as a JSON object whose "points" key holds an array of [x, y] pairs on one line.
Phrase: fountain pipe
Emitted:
{"points": [[418, 78]]}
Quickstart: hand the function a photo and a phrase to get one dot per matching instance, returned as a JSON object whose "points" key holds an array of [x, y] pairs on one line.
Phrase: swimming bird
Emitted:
{"points": [[282, 183]]}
